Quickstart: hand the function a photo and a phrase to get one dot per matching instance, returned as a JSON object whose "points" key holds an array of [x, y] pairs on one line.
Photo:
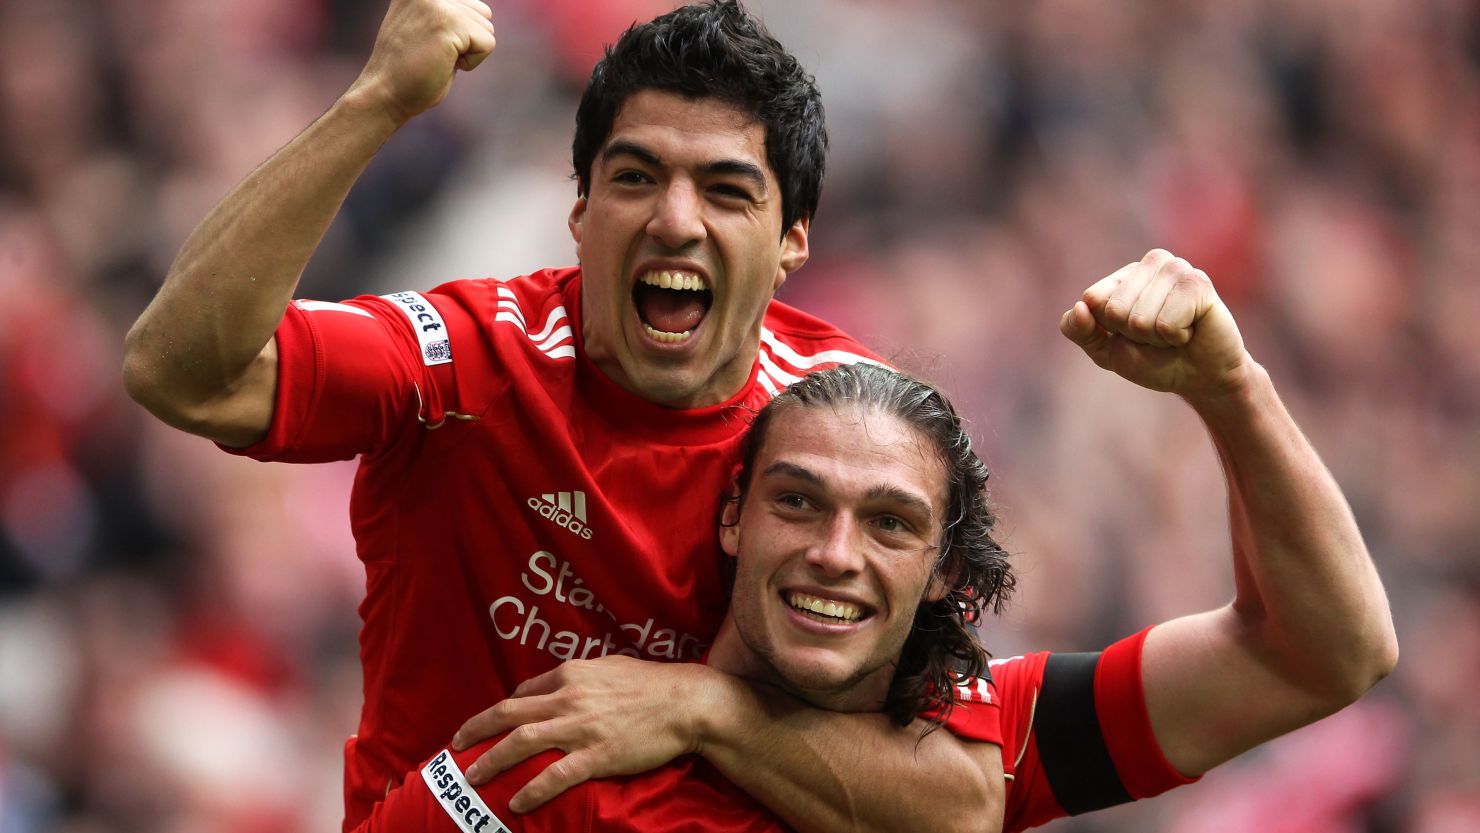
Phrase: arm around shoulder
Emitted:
{"points": [[833, 771]]}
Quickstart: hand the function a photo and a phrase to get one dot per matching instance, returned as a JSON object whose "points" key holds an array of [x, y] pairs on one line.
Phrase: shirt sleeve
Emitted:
{"points": [[975, 710], [351, 376], [437, 798], [1077, 736]]}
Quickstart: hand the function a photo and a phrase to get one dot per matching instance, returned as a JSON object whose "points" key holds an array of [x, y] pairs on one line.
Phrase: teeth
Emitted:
{"points": [[672, 279], [823, 607], [668, 279], [667, 338]]}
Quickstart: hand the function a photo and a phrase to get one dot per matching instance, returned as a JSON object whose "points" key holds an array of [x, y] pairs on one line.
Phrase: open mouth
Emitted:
{"points": [[671, 303], [826, 611]]}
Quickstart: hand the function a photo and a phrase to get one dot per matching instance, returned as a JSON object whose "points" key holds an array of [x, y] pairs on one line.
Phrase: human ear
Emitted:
{"points": [[940, 584], [729, 518], [794, 251], [577, 215], [729, 533]]}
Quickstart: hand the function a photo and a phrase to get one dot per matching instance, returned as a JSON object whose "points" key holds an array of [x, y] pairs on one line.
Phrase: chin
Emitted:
{"points": [[674, 389], [818, 678]]}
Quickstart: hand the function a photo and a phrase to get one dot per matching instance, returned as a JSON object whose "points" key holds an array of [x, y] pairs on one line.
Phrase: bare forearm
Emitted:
{"points": [[225, 293], [1307, 588], [826, 771]]}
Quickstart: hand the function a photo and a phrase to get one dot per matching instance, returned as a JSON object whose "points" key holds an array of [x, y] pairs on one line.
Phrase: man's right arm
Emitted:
{"points": [[202, 356]]}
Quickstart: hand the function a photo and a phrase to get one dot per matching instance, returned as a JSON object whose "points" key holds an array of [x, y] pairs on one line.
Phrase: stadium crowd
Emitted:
{"points": [[177, 626]]}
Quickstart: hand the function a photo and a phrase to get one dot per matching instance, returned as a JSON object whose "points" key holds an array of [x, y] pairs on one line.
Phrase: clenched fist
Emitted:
{"points": [[1160, 324], [420, 45]]}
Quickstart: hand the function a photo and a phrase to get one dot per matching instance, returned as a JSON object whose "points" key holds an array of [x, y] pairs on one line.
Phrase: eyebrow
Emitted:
{"points": [[722, 167], [880, 492]]}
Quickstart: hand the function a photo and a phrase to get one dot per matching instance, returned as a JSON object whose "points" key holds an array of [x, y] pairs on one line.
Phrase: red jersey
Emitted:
{"points": [[1074, 734], [514, 507], [686, 795]]}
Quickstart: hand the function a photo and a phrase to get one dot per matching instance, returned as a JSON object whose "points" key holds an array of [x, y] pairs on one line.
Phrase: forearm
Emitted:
{"points": [[826, 771], [226, 291], [1307, 590]]}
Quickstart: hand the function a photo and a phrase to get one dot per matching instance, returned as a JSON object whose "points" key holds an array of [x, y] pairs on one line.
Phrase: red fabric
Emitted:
{"points": [[976, 713], [687, 795], [690, 795], [1120, 702], [475, 581]]}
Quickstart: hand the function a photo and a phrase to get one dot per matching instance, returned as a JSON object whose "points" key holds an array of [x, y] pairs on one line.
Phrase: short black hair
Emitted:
{"points": [[942, 650], [714, 50]]}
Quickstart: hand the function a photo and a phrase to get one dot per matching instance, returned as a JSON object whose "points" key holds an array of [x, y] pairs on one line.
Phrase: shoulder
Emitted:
{"points": [[794, 343], [792, 324], [491, 294], [527, 311]]}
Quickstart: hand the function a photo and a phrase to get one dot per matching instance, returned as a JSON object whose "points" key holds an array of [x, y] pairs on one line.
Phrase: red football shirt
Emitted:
{"points": [[1075, 737], [513, 507]]}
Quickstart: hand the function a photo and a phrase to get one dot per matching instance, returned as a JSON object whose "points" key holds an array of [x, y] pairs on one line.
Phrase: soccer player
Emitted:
{"points": [[533, 452], [863, 547]]}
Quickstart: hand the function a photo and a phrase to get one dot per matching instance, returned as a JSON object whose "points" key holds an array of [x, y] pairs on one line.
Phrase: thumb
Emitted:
{"points": [[1079, 326]]}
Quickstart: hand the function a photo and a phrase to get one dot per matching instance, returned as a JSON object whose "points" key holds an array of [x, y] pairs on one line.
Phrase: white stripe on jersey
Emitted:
{"points": [[557, 317], [769, 368], [975, 690], [784, 352], [329, 306], [513, 309], [554, 339]]}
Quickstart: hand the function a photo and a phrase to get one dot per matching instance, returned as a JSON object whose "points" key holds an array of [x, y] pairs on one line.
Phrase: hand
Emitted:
{"points": [[420, 45], [1159, 324], [611, 716]]}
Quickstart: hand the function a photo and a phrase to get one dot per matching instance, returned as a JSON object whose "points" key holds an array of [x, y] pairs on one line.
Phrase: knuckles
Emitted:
{"points": [[563, 770], [1156, 257], [526, 734]]}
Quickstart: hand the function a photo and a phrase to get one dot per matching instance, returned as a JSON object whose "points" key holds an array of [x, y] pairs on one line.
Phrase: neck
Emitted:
{"points": [[731, 654]]}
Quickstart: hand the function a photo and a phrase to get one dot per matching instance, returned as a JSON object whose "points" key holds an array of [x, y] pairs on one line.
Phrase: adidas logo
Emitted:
{"points": [[566, 509]]}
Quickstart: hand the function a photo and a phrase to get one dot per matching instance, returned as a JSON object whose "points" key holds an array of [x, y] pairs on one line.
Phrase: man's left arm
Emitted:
{"points": [[1309, 629], [822, 770], [815, 769]]}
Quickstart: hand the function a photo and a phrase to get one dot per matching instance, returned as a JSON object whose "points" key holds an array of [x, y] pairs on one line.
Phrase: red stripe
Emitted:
{"points": [[1120, 702]]}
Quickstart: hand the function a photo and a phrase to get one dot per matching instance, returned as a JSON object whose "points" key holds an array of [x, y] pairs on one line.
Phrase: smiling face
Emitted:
{"points": [[681, 248], [835, 542]]}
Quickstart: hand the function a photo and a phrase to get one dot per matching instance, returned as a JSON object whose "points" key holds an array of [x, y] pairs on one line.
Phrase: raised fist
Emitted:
{"points": [[1160, 324], [420, 45]]}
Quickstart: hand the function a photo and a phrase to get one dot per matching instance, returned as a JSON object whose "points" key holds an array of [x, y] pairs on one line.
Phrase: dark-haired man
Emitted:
{"points": [[534, 451]]}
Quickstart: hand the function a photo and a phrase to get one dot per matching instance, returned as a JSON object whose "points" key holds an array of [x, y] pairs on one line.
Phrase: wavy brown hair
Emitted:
{"points": [[942, 649]]}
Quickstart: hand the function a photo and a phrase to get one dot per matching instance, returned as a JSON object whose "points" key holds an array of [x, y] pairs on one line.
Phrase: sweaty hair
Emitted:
{"points": [[942, 650], [714, 50]]}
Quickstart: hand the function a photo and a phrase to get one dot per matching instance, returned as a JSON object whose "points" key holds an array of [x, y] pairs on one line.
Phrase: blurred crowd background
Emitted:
{"points": [[177, 626]]}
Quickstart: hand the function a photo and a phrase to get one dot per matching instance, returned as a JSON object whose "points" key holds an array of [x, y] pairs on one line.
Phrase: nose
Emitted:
{"points": [[677, 219], [838, 552]]}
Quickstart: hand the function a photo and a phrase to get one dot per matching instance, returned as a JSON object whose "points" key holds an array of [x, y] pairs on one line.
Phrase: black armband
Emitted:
{"points": [[1071, 745]]}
